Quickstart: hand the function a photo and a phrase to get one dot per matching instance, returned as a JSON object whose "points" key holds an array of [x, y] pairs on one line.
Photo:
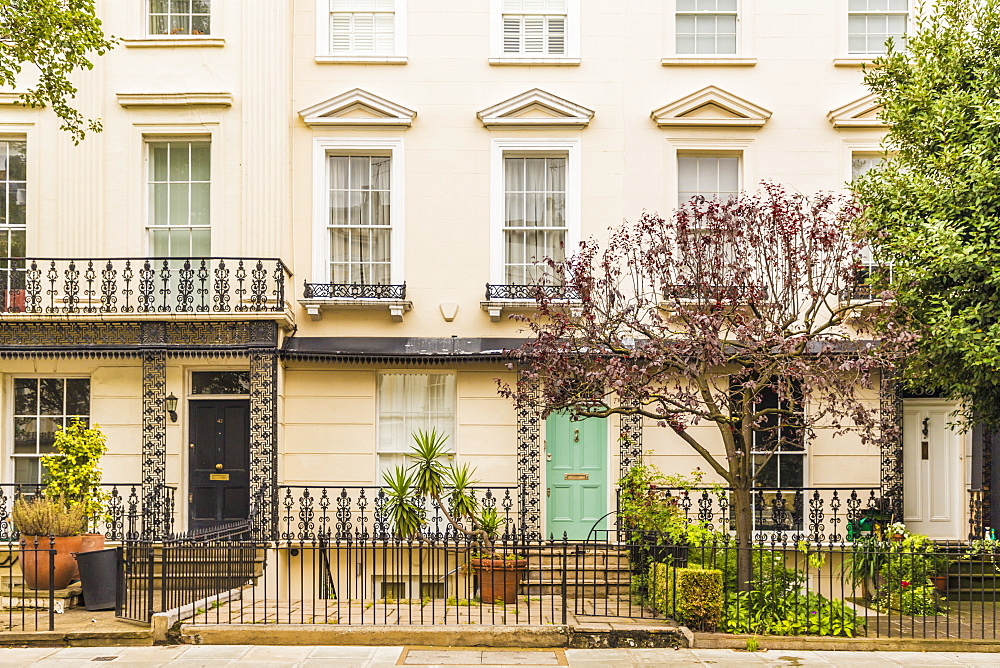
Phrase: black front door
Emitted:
{"points": [[219, 463]]}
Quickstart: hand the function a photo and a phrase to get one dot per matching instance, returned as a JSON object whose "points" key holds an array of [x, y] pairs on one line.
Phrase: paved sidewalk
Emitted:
{"points": [[188, 656]]}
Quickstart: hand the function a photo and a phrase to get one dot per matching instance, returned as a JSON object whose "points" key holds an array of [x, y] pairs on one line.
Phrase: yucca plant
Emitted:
{"points": [[405, 515], [428, 477]]}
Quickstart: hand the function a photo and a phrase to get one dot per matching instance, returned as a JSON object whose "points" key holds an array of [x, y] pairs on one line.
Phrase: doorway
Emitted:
{"points": [[576, 474], [219, 476], [933, 470]]}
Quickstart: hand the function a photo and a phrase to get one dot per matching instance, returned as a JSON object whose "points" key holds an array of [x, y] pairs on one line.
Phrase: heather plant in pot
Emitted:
{"points": [[449, 488], [46, 524]]}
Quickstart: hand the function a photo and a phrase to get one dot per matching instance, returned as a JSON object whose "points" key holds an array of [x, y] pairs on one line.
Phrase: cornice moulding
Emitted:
{"points": [[551, 111], [175, 99]]}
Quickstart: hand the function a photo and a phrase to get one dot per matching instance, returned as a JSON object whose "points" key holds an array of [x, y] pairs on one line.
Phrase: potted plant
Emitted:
{"points": [[449, 487], [44, 524]]}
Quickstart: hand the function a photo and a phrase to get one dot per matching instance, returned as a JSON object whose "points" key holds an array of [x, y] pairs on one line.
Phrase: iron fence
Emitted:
{"points": [[799, 513], [122, 516], [215, 285], [873, 587], [24, 608], [308, 513]]}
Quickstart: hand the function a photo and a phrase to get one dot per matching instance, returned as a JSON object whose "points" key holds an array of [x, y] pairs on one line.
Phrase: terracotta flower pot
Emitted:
{"points": [[498, 578], [940, 583], [35, 561]]}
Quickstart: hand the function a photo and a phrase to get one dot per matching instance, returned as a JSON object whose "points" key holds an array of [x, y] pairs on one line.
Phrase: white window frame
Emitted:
{"points": [[744, 56], [325, 55], [148, 155], [744, 148], [138, 18], [542, 147], [850, 148], [323, 148], [571, 57], [847, 59], [147, 10], [8, 425]]}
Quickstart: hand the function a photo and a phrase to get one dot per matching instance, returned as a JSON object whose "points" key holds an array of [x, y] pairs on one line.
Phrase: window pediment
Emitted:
{"points": [[358, 108], [536, 108], [861, 113], [711, 107]]}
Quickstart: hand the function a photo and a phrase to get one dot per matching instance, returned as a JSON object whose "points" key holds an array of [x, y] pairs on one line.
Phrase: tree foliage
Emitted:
{"points": [[730, 314], [55, 38], [933, 206]]}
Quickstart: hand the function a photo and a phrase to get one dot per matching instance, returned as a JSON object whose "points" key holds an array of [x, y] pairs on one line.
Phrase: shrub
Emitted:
{"points": [[691, 596], [47, 517]]}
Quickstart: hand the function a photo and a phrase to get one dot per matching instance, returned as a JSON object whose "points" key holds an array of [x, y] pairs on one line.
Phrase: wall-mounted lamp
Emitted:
{"points": [[170, 403]]}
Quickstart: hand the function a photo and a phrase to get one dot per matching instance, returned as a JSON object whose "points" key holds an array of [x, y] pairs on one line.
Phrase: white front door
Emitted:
{"points": [[933, 470]]}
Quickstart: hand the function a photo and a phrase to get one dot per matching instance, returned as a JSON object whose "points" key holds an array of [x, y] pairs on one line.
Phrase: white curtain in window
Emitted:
{"points": [[412, 401]]}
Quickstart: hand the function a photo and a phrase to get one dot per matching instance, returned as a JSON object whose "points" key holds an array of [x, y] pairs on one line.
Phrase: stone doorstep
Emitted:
{"points": [[19, 597], [858, 644]]}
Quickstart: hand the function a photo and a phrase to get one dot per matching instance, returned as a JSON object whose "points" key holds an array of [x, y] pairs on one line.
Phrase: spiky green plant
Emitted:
{"points": [[461, 499], [405, 515], [428, 471]]}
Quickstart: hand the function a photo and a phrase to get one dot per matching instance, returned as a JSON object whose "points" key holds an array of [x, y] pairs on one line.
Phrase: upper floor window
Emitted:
{"points": [[534, 27], [362, 26], [871, 22], [706, 27], [708, 175], [13, 196], [534, 216], [179, 199], [180, 17], [360, 222]]}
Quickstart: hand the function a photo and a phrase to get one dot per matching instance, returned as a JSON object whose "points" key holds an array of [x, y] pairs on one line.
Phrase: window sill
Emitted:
{"points": [[361, 60], [170, 42], [396, 307], [854, 61], [520, 60], [700, 61]]}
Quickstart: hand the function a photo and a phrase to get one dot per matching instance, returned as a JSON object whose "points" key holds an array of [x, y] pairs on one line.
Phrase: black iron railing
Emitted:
{"points": [[353, 291], [531, 292], [878, 587], [123, 516], [803, 513], [715, 293], [308, 513], [127, 286], [869, 279]]}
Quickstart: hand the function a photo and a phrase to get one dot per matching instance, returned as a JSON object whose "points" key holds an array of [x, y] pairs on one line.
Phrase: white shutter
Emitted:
{"points": [[534, 34], [512, 6], [557, 35], [512, 34], [385, 34], [340, 33], [364, 32]]}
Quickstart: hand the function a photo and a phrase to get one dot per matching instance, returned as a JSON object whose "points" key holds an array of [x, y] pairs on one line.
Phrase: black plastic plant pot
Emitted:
{"points": [[99, 578]]}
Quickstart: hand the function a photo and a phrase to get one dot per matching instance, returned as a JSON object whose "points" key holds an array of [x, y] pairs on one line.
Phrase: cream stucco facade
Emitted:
{"points": [[442, 105]]}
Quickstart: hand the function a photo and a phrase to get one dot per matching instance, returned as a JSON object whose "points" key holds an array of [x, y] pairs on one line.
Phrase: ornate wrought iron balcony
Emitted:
{"points": [[713, 293], [501, 292], [353, 291], [145, 286]]}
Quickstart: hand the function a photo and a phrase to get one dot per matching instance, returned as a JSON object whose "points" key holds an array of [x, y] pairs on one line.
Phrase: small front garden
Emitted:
{"points": [[686, 569]]}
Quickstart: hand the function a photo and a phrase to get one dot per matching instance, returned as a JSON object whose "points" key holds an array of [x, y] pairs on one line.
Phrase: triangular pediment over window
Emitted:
{"points": [[357, 108], [536, 108], [862, 113], [711, 107]]}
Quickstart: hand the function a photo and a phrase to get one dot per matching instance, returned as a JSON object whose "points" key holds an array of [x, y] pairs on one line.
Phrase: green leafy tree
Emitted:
{"points": [[54, 38], [933, 205]]}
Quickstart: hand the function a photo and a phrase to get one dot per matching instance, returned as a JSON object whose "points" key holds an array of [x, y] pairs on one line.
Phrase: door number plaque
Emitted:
{"points": [[576, 476]]}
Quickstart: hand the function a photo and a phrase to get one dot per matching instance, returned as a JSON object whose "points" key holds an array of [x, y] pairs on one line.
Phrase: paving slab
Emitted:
{"points": [[516, 658], [361, 653], [276, 653], [199, 652], [425, 657], [921, 658]]}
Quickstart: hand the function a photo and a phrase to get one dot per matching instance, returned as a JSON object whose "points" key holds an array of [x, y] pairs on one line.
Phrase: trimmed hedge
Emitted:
{"points": [[690, 596]]}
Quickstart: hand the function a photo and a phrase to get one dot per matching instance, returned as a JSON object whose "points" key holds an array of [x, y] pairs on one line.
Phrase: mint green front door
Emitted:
{"points": [[576, 474]]}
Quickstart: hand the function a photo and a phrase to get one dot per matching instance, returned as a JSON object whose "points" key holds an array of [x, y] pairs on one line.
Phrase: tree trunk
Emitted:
{"points": [[742, 511]]}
